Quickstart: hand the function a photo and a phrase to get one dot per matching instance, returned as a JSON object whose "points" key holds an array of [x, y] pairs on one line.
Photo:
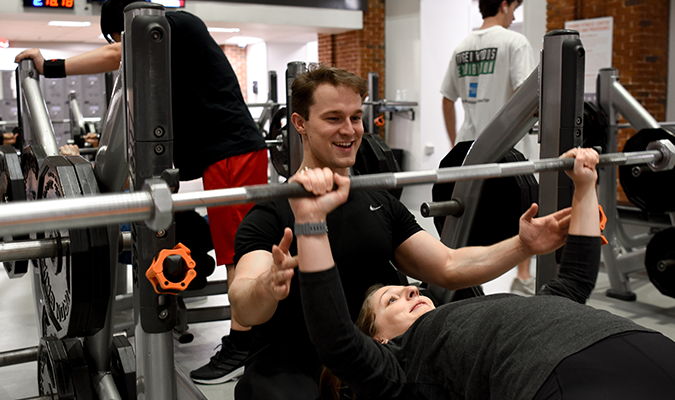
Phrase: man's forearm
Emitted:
{"points": [[477, 265], [450, 120], [103, 59]]}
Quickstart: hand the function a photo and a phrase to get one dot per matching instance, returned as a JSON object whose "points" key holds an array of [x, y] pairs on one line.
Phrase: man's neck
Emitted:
{"points": [[489, 22], [309, 165]]}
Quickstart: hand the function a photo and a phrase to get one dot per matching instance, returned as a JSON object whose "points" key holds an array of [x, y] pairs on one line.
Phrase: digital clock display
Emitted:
{"points": [[49, 3]]}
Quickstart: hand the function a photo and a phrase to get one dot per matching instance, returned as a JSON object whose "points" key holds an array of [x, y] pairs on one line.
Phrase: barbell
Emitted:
{"points": [[155, 203]]}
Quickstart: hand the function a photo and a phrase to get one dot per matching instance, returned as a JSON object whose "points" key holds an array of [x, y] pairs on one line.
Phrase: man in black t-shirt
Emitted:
{"points": [[368, 234], [215, 137]]}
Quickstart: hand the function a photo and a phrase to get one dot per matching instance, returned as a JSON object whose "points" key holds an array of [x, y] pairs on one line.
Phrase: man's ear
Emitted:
{"points": [[299, 123]]}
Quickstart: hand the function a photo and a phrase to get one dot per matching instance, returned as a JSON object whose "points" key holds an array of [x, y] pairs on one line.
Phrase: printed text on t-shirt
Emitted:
{"points": [[476, 62]]}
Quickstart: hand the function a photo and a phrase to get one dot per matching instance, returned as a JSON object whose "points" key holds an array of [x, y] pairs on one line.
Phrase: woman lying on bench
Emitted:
{"points": [[502, 346]]}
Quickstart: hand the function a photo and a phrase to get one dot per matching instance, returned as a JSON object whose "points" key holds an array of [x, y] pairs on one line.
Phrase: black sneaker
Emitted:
{"points": [[226, 365]]}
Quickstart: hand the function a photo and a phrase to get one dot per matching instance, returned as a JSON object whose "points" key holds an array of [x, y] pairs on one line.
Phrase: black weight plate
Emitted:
{"points": [[279, 154], [54, 377], [97, 262], [648, 191], [595, 127], [123, 367], [374, 157], [661, 247], [62, 369], [501, 204], [62, 278], [12, 189], [79, 369], [32, 158]]}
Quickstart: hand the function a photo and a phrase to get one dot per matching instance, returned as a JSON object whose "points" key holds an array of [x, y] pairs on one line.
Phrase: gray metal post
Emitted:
{"points": [[111, 167], [619, 260], [294, 69], [35, 122], [147, 69], [373, 109], [76, 118], [560, 125]]}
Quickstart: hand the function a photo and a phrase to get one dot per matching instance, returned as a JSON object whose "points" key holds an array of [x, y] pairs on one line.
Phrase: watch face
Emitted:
{"points": [[48, 3]]}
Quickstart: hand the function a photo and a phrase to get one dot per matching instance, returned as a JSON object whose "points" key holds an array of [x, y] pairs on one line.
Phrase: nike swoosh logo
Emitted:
{"points": [[372, 208]]}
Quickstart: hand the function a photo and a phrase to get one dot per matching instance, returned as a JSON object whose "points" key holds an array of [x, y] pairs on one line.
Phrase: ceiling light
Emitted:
{"points": [[76, 24], [224, 30], [243, 41]]}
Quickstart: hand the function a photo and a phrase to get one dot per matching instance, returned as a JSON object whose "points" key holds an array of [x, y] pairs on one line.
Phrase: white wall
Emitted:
{"points": [[420, 36], [256, 70], [280, 54]]}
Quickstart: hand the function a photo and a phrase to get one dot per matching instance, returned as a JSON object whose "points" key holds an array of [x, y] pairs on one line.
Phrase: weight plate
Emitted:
{"points": [[662, 248], [279, 154], [12, 189], [123, 367], [54, 376], [62, 369], [98, 259], [595, 127], [32, 158], [71, 283], [501, 204], [647, 190]]}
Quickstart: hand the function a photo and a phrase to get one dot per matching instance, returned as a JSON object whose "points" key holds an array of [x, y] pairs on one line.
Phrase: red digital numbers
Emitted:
{"points": [[55, 3]]}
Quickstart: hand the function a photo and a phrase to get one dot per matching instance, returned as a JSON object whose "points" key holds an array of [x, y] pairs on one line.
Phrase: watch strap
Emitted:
{"points": [[311, 228]]}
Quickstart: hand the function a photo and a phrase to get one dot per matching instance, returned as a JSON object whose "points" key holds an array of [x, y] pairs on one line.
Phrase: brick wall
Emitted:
{"points": [[360, 51], [640, 47], [237, 57]]}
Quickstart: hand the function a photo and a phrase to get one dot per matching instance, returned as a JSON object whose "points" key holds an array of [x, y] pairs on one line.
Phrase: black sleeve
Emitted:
{"points": [[367, 367], [261, 228], [578, 269]]}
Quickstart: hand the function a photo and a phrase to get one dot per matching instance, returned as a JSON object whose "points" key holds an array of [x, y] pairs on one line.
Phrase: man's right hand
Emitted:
{"points": [[35, 54], [91, 138], [69, 150], [9, 138], [278, 277]]}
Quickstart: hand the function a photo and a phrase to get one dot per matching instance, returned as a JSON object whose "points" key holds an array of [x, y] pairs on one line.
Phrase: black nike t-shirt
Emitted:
{"points": [[364, 233]]}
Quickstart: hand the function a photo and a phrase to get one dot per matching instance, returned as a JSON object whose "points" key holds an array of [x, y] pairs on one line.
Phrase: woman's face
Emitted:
{"points": [[396, 308]]}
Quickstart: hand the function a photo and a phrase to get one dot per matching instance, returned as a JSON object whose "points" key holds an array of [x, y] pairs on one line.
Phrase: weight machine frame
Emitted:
{"points": [[624, 254]]}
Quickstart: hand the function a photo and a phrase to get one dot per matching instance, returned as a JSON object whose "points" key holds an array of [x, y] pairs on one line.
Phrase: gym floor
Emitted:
{"points": [[17, 316]]}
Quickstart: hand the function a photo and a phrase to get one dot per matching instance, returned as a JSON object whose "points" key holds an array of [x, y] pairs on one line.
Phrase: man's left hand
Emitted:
{"points": [[545, 234]]}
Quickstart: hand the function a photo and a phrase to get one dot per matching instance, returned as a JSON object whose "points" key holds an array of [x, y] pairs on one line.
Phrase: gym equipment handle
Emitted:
{"points": [[149, 205]]}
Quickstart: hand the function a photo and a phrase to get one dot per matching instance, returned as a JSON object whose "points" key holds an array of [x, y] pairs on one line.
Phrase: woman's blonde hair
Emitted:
{"points": [[330, 386]]}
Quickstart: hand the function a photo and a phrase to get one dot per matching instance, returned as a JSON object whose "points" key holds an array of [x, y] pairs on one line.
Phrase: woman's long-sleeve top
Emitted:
{"points": [[500, 346]]}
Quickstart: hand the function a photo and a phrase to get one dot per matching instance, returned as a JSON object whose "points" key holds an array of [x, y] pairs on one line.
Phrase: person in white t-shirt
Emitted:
{"points": [[486, 68]]}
